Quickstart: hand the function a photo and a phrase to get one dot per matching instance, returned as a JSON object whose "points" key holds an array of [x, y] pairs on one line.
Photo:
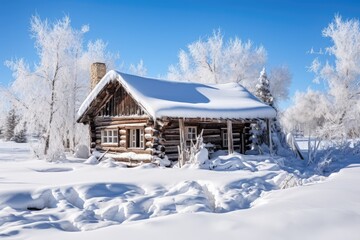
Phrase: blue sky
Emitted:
{"points": [[155, 31]]}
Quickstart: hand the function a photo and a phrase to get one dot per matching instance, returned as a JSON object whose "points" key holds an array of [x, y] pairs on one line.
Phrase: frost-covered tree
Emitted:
{"points": [[341, 75], [12, 120], [279, 80], [310, 111], [49, 93], [215, 61], [138, 69], [263, 89]]}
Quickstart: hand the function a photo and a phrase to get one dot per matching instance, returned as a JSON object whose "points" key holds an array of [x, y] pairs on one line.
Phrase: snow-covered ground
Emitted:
{"points": [[244, 197]]}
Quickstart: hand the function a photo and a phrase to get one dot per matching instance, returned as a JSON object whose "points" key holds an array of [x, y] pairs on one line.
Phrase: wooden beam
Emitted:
{"points": [[182, 154], [268, 126], [230, 137]]}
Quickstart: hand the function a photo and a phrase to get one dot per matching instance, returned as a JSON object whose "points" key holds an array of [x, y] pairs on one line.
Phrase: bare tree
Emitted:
{"points": [[50, 93], [214, 61]]}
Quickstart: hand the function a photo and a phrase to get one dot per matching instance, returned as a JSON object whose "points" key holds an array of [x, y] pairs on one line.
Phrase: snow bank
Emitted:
{"points": [[67, 199]]}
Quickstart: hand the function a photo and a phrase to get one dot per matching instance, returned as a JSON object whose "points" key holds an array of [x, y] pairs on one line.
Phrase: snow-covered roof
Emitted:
{"points": [[163, 98]]}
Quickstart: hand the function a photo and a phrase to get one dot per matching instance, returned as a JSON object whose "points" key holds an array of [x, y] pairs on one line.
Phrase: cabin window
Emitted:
{"points": [[190, 133], [136, 138], [224, 136], [110, 136]]}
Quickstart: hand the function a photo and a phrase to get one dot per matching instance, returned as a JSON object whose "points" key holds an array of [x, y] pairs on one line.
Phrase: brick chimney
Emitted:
{"points": [[97, 72]]}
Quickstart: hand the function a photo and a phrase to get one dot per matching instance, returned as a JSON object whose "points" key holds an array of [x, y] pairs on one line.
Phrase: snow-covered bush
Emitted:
{"points": [[197, 153], [163, 162], [81, 151]]}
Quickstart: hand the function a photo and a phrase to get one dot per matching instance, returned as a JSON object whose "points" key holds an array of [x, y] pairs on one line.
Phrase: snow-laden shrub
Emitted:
{"points": [[291, 180], [201, 156], [81, 151], [323, 165], [163, 162], [92, 160], [108, 163], [56, 156]]}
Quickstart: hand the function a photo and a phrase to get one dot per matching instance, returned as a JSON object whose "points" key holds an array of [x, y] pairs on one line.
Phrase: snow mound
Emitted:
{"points": [[38, 197], [81, 151], [111, 163], [92, 160]]}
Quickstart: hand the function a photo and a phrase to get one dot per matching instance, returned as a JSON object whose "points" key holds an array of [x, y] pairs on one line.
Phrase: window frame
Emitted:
{"points": [[224, 138], [187, 132], [110, 133], [132, 138]]}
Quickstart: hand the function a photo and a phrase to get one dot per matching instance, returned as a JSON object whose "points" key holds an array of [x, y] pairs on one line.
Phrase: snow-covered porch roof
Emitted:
{"points": [[163, 98]]}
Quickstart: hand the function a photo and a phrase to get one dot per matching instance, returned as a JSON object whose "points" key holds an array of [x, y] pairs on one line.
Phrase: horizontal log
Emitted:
{"points": [[122, 131], [211, 131], [171, 131], [149, 150], [130, 125], [138, 150], [169, 149], [123, 143], [149, 130], [110, 123], [212, 136], [212, 139], [114, 149], [173, 156], [122, 118], [171, 142], [172, 137], [148, 136]]}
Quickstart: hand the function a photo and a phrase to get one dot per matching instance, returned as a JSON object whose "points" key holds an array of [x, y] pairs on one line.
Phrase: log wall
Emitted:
{"points": [[116, 109], [212, 133], [124, 124]]}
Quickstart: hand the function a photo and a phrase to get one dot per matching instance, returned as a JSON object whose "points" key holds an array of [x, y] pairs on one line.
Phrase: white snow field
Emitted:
{"points": [[243, 197]]}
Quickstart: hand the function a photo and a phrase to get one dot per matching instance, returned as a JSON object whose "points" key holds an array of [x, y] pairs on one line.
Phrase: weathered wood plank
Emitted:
{"points": [[182, 157], [230, 137]]}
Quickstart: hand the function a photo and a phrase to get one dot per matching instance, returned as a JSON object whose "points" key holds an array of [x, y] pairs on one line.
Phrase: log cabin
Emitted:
{"points": [[134, 118]]}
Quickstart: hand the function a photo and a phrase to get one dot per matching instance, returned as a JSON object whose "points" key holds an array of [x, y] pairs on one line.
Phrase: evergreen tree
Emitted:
{"points": [[20, 135], [263, 92], [263, 89], [11, 122]]}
